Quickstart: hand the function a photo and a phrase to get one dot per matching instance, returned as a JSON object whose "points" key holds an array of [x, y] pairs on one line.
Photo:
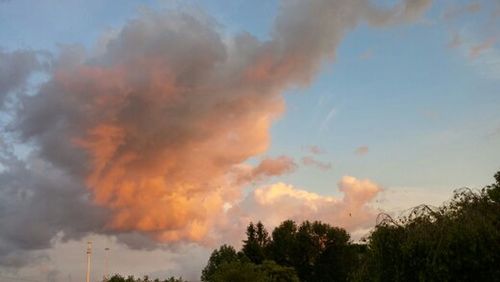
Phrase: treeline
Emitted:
{"points": [[459, 241]]}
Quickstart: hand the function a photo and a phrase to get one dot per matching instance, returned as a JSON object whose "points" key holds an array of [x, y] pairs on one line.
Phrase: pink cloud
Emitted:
{"points": [[368, 54], [310, 161], [316, 150], [362, 150], [478, 49], [277, 202], [268, 167]]}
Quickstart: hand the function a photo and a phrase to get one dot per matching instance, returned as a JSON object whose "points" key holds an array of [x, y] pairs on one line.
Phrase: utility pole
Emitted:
{"points": [[106, 264], [89, 255]]}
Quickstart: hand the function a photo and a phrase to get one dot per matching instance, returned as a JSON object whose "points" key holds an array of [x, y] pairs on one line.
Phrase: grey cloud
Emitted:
{"points": [[15, 68], [38, 202]]}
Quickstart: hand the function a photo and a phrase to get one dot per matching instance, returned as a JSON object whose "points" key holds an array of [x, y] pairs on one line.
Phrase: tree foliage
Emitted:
{"points": [[310, 252], [223, 256], [246, 271], [459, 241], [119, 278], [256, 244]]}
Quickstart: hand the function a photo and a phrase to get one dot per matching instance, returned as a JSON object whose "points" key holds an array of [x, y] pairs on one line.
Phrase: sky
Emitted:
{"points": [[160, 129]]}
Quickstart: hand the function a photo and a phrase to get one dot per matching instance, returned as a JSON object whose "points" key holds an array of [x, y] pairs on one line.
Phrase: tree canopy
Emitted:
{"points": [[119, 278]]}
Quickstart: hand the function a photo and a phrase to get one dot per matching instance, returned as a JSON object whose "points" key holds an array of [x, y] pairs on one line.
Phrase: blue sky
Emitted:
{"points": [[422, 99]]}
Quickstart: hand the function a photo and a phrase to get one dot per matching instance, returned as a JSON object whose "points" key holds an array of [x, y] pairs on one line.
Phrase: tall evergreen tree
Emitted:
{"points": [[256, 243]]}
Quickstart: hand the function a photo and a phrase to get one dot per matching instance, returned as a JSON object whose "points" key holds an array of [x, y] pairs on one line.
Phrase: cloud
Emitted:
{"points": [[274, 203], [455, 41], [154, 124], [326, 121], [460, 10], [15, 68], [316, 150], [366, 55], [362, 150], [268, 167], [310, 161], [141, 139], [38, 202], [477, 40], [482, 47], [494, 132], [496, 12]]}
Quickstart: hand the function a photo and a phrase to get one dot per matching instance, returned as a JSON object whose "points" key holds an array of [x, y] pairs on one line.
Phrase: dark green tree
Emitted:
{"points": [[319, 251], [277, 273], [240, 271], [493, 190], [336, 257], [459, 241], [224, 255], [256, 244], [282, 248], [119, 278]]}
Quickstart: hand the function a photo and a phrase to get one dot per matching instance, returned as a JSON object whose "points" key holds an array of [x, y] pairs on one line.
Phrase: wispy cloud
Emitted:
{"points": [[310, 161], [315, 150], [477, 49], [460, 10], [456, 41], [362, 150], [366, 55], [328, 118], [268, 167]]}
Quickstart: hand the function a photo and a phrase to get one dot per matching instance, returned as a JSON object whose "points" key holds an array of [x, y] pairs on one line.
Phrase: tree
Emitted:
{"points": [[282, 248], [336, 256], [459, 241], [224, 255], [255, 246], [493, 190], [262, 235], [119, 278], [319, 248], [240, 271], [277, 273]]}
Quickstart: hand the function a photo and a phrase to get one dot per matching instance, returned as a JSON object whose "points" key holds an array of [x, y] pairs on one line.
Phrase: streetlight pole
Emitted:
{"points": [[89, 254], [106, 264]]}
